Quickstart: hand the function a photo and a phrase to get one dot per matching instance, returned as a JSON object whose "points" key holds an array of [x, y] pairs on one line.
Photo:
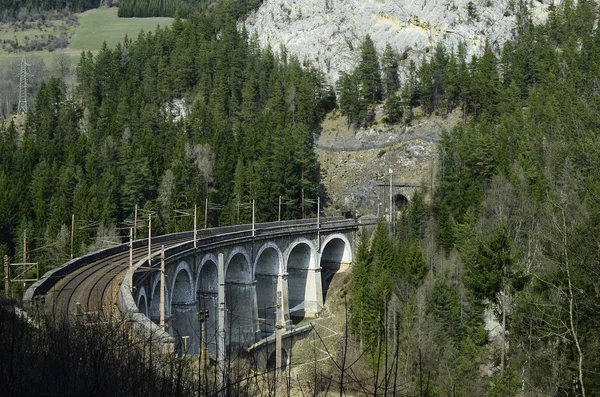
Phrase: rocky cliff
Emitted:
{"points": [[329, 32]]}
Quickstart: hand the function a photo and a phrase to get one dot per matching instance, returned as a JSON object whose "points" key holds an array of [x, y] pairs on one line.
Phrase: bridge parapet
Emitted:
{"points": [[301, 244], [285, 258]]}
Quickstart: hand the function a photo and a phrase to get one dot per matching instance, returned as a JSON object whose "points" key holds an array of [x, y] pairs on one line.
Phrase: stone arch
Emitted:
{"points": [[335, 251], [276, 251], [236, 252], [181, 286], [268, 267], [288, 252], [183, 309], [301, 267], [142, 301], [206, 261], [272, 360], [345, 254], [240, 299], [154, 310], [207, 286]]}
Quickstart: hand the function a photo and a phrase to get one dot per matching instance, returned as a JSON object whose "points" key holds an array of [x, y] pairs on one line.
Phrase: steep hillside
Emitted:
{"points": [[355, 163], [329, 32]]}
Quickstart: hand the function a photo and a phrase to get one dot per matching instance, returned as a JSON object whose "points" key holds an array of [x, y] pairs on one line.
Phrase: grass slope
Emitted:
{"points": [[102, 24], [95, 27]]}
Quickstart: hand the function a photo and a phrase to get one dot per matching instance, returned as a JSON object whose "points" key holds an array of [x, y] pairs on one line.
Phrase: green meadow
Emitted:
{"points": [[95, 27], [99, 25]]}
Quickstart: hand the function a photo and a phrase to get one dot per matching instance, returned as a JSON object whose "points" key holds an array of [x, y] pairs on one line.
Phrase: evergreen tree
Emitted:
{"points": [[369, 73], [389, 68], [349, 97], [393, 109]]}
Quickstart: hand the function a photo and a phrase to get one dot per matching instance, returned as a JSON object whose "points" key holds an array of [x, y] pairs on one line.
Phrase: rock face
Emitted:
{"points": [[329, 32], [355, 164]]}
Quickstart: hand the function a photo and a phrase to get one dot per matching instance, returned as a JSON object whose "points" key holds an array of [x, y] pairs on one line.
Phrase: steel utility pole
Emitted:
{"points": [[72, 233], [149, 239], [253, 231], [391, 175], [24, 254], [378, 203], [221, 320], [302, 201], [202, 317], [318, 212], [279, 212], [135, 222], [206, 213], [131, 259], [279, 325]]}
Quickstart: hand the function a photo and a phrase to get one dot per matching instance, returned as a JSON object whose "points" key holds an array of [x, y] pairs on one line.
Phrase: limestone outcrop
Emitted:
{"points": [[329, 32]]}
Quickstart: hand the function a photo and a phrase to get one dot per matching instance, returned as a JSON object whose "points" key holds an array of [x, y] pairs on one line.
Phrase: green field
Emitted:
{"points": [[95, 27], [99, 25]]}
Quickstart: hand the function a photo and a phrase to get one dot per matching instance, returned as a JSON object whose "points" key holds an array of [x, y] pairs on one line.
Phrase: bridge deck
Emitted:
{"points": [[90, 284]]}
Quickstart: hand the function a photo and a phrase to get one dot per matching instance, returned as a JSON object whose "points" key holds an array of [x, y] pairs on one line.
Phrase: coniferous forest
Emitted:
{"points": [[13, 6], [119, 142], [510, 233]]}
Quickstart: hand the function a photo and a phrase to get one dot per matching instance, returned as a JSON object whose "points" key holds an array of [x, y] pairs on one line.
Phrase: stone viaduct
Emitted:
{"points": [[238, 280]]}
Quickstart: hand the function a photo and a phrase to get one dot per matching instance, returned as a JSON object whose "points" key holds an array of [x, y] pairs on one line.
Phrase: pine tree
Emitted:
{"points": [[349, 96], [415, 267], [361, 276], [390, 67], [369, 73], [411, 88], [393, 109]]}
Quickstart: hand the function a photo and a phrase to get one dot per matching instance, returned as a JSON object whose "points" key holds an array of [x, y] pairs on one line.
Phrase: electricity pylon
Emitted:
{"points": [[23, 87]]}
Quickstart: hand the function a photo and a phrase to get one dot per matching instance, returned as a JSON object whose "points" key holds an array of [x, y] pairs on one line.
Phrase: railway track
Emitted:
{"points": [[88, 289], [89, 285]]}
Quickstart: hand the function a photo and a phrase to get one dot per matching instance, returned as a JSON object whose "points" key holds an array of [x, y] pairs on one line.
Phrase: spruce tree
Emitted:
{"points": [[369, 73], [389, 68]]}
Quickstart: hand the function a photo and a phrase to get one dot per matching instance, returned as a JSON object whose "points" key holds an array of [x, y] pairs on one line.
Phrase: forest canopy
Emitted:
{"points": [[199, 111], [120, 140]]}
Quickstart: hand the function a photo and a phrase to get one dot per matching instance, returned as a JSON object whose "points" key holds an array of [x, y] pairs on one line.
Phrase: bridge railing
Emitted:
{"points": [[207, 239], [45, 284], [227, 235]]}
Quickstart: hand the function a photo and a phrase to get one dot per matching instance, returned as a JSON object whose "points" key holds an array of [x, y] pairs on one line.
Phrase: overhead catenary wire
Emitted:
{"points": [[88, 226]]}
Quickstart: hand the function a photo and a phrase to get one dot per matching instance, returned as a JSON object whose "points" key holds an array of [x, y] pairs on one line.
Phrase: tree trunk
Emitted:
{"points": [[571, 308], [503, 343]]}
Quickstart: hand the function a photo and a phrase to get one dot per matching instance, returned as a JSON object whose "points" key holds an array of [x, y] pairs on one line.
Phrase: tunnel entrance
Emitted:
{"points": [[400, 201], [335, 252]]}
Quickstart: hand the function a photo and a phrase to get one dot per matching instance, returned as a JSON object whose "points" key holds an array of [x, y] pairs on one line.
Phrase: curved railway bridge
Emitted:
{"points": [[244, 277]]}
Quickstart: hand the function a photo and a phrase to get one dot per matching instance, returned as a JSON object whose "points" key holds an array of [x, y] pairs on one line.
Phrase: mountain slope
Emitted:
{"points": [[329, 32]]}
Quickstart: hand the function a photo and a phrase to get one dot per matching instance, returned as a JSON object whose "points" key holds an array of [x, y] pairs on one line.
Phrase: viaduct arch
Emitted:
{"points": [[239, 283]]}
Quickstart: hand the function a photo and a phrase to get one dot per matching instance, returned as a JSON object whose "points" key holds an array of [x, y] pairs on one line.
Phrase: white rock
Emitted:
{"points": [[329, 32]]}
